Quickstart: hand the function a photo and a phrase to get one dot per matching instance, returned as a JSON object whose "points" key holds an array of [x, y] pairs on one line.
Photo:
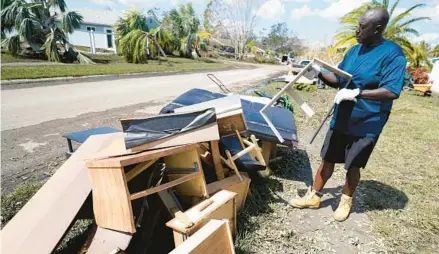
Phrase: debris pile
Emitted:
{"points": [[191, 166]]}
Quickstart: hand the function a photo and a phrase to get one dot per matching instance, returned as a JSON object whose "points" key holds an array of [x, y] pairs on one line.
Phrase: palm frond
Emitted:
{"points": [[83, 59], [394, 7], [12, 44], [71, 21], [29, 28], [61, 4], [50, 47], [413, 21]]}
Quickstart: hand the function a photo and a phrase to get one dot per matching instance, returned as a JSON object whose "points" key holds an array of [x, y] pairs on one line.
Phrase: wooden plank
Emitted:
{"points": [[139, 169], [242, 152], [106, 241], [238, 135], [165, 186], [214, 237], [111, 200], [259, 155], [125, 160], [232, 162], [42, 222], [216, 156], [232, 184], [223, 207], [203, 134], [187, 159], [267, 148]]}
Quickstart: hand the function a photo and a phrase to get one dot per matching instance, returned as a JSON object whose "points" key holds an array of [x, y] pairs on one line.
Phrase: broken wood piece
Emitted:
{"points": [[232, 162], [42, 222], [245, 151], [259, 155], [233, 184], [214, 237], [107, 240], [238, 135], [139, 169], [223, 207], [164, 186], [183, 219], [216, 156]]}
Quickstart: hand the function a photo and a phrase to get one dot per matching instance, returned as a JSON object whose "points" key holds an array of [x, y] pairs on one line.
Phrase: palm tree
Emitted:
{"points": [[136, 41], [418, 57], [36, 26], [183, 25], [397, 29]]}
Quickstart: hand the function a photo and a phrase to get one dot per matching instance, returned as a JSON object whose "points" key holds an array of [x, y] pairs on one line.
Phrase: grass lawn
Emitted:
{"points": [[64, 70]]}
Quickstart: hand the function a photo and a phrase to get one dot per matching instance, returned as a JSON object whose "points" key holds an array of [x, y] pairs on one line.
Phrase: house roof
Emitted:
{"points": [[101, 17]]}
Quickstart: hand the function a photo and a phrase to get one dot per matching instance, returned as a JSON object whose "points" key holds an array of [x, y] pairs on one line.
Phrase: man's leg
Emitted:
{"points": [[313, 196], [323, 174], [352, 180], [356, 158]]}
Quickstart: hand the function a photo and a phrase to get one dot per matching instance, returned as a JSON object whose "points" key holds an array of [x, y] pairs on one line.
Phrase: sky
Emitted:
{"points": [[314, 21]]}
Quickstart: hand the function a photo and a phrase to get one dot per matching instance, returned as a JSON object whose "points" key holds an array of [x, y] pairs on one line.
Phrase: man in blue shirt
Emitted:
{"points": [[377, 66]]}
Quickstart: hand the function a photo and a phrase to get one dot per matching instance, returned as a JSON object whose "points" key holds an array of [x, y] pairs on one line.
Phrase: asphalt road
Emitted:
{"points": [[34, 119]]}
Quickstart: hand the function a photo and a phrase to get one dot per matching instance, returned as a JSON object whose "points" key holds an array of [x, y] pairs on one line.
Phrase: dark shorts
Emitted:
{"points": [[353, 151]]}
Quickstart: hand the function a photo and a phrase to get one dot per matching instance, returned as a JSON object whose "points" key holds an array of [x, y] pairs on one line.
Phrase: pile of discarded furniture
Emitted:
{"points": [[182, 175], [195, 160]]}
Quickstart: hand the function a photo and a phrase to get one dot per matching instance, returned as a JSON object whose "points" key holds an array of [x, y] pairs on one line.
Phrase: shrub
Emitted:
{"points": [[419, 75]]}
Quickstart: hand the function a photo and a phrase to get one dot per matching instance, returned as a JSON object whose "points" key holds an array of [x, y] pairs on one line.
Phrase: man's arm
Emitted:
{"points": [[379, 94], [329, 79]]}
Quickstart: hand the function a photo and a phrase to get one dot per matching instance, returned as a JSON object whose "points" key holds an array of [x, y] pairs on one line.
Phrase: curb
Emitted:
{"points": [[30, 83]]}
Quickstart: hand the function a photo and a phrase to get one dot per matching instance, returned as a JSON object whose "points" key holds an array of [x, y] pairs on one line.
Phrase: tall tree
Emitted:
{"points": [[36, 26], [183, 25], [281, 40], [397, 30], [237, 17]]}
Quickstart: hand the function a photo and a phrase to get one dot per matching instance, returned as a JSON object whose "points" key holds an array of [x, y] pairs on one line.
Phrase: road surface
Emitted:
{"points": [[34, 119], [24, 107]]}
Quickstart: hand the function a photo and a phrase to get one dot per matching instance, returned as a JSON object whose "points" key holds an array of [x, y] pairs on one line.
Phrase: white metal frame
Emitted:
{"points": [[295, 96]]}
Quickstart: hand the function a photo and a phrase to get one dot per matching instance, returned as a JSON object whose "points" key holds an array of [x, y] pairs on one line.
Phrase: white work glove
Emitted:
{"points": [[346, 95], [312, 72]]}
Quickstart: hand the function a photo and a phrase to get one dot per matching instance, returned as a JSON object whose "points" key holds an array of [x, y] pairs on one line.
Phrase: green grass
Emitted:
{"points": [[8, 58], [64, 70], [12, 203], [406, 158]]}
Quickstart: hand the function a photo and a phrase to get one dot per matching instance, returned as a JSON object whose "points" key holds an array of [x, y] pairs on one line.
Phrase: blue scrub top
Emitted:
{"points": [[381, 66]]}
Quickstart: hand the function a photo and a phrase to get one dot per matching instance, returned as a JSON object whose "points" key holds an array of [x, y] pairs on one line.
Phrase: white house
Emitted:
{"points": [[97, 30]]}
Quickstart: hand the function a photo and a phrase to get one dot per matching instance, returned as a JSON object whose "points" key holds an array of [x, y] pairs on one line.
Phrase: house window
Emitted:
{"points": [[109, 38], [91, 28]]}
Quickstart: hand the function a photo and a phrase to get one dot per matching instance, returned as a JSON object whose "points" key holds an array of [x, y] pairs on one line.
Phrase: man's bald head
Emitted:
{"points": [[379, 16], [372, 25]]}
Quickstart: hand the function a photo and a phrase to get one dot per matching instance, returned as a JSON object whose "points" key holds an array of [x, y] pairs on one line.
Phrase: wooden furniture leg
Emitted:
{"points": [[217, 160], [232, 162]]}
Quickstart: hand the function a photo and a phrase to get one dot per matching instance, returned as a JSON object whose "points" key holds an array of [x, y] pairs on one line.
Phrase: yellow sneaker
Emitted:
{"points": [[310, 200], [344, 208]]}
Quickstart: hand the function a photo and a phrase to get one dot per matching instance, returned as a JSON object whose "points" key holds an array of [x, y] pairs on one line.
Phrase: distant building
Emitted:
{"points": [[97, 29]]}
